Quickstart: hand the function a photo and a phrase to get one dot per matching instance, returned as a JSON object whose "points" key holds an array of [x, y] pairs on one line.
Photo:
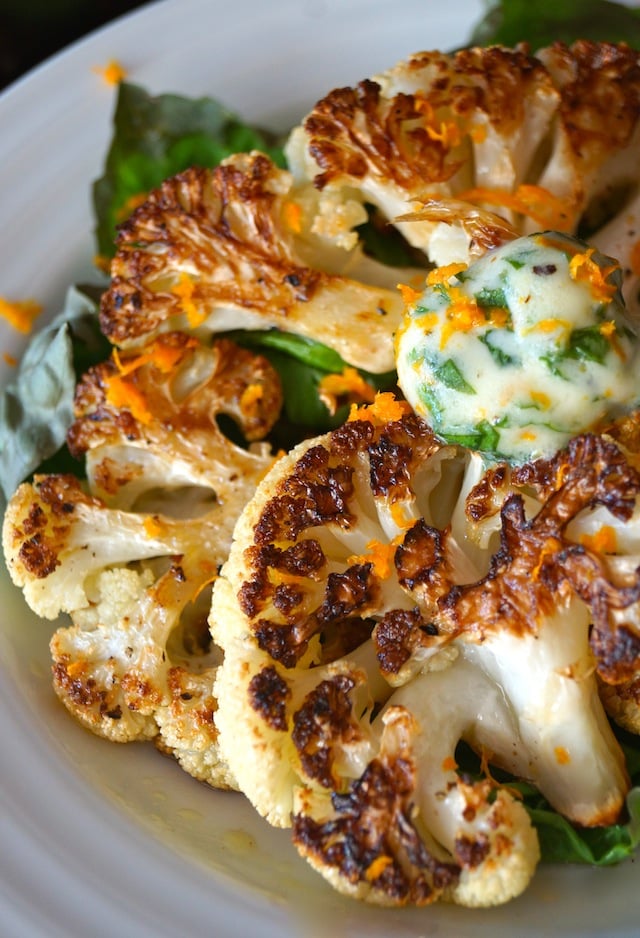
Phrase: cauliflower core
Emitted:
{"points": [[387, 596], [131, 557], [517, 353]]}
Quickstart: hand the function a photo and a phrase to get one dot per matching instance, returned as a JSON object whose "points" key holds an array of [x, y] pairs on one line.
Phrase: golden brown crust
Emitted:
{"points": [[180, 384], [220, 225], [599, 83], [537, 562], [355, 131], [493, 142], [38, 527]]}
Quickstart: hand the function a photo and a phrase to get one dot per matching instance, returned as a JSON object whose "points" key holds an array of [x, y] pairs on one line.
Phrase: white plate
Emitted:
{"points": [[103, 840]]}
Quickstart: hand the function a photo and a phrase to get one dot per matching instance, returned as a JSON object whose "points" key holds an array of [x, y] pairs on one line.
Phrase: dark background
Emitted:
{"points": [[32, 30]]}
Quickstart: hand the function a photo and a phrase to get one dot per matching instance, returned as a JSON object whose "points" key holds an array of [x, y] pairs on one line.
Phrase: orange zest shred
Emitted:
{"points": [[536, 202], [113, 72], [549, 551], [10, 360], [386, 408], [102, 263], [463, 315], [445, 132], [583, 269], [123, 394], [634, 258], [20, 314], [548, 326], [562, 756], [292, 213], [184, 290], [607, 329], [498, 316], [448, 134], [400, 516], [250, 398], [210, 576], [349, 383], [377, 867], [449, 764], [152, 526], [159, 353], [442, 275], [602, 541], [130, 205], [539, 397], [379, 555], [408, 294]]}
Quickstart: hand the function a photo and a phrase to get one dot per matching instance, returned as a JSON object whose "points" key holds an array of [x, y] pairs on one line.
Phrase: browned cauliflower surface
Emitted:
{"points": [[131, 558], [485, 144], [229, 248], [386, 597]]}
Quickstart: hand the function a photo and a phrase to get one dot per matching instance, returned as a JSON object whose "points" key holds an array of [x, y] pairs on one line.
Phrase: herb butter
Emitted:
{"points": [[520, 351]]}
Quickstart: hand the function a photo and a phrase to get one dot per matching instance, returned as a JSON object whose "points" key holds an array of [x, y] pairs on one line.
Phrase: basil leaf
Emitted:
{"points": [[307, 351], [484, 437], [451, 376], [487, 297], [541, 23], [588, 344], [36, 409], [301, 364], [500, 357], [302, 405], [155, 138], [561, 841], [383, 241], [429, 397]]}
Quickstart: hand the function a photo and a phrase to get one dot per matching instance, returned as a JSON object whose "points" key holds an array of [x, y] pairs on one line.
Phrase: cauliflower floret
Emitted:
{"points": [[147, 425], [523, 349], [132, 559], [232, 247], [130, 582], [544, 141], [385, 597]]}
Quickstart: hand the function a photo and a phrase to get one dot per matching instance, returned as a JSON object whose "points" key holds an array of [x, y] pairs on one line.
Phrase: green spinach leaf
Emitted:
{"points": [[540, 23], [36, 409], [155, 138]]}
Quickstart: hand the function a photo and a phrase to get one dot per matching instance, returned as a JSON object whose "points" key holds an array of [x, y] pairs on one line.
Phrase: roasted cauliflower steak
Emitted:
{"points": [[387, 596]]}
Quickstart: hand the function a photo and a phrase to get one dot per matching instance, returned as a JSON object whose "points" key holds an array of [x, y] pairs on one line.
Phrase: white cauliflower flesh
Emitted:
{"points": [[232, 247], [147, 425], [464, 151], [132, 559], [386, 597], [522, 350]]}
